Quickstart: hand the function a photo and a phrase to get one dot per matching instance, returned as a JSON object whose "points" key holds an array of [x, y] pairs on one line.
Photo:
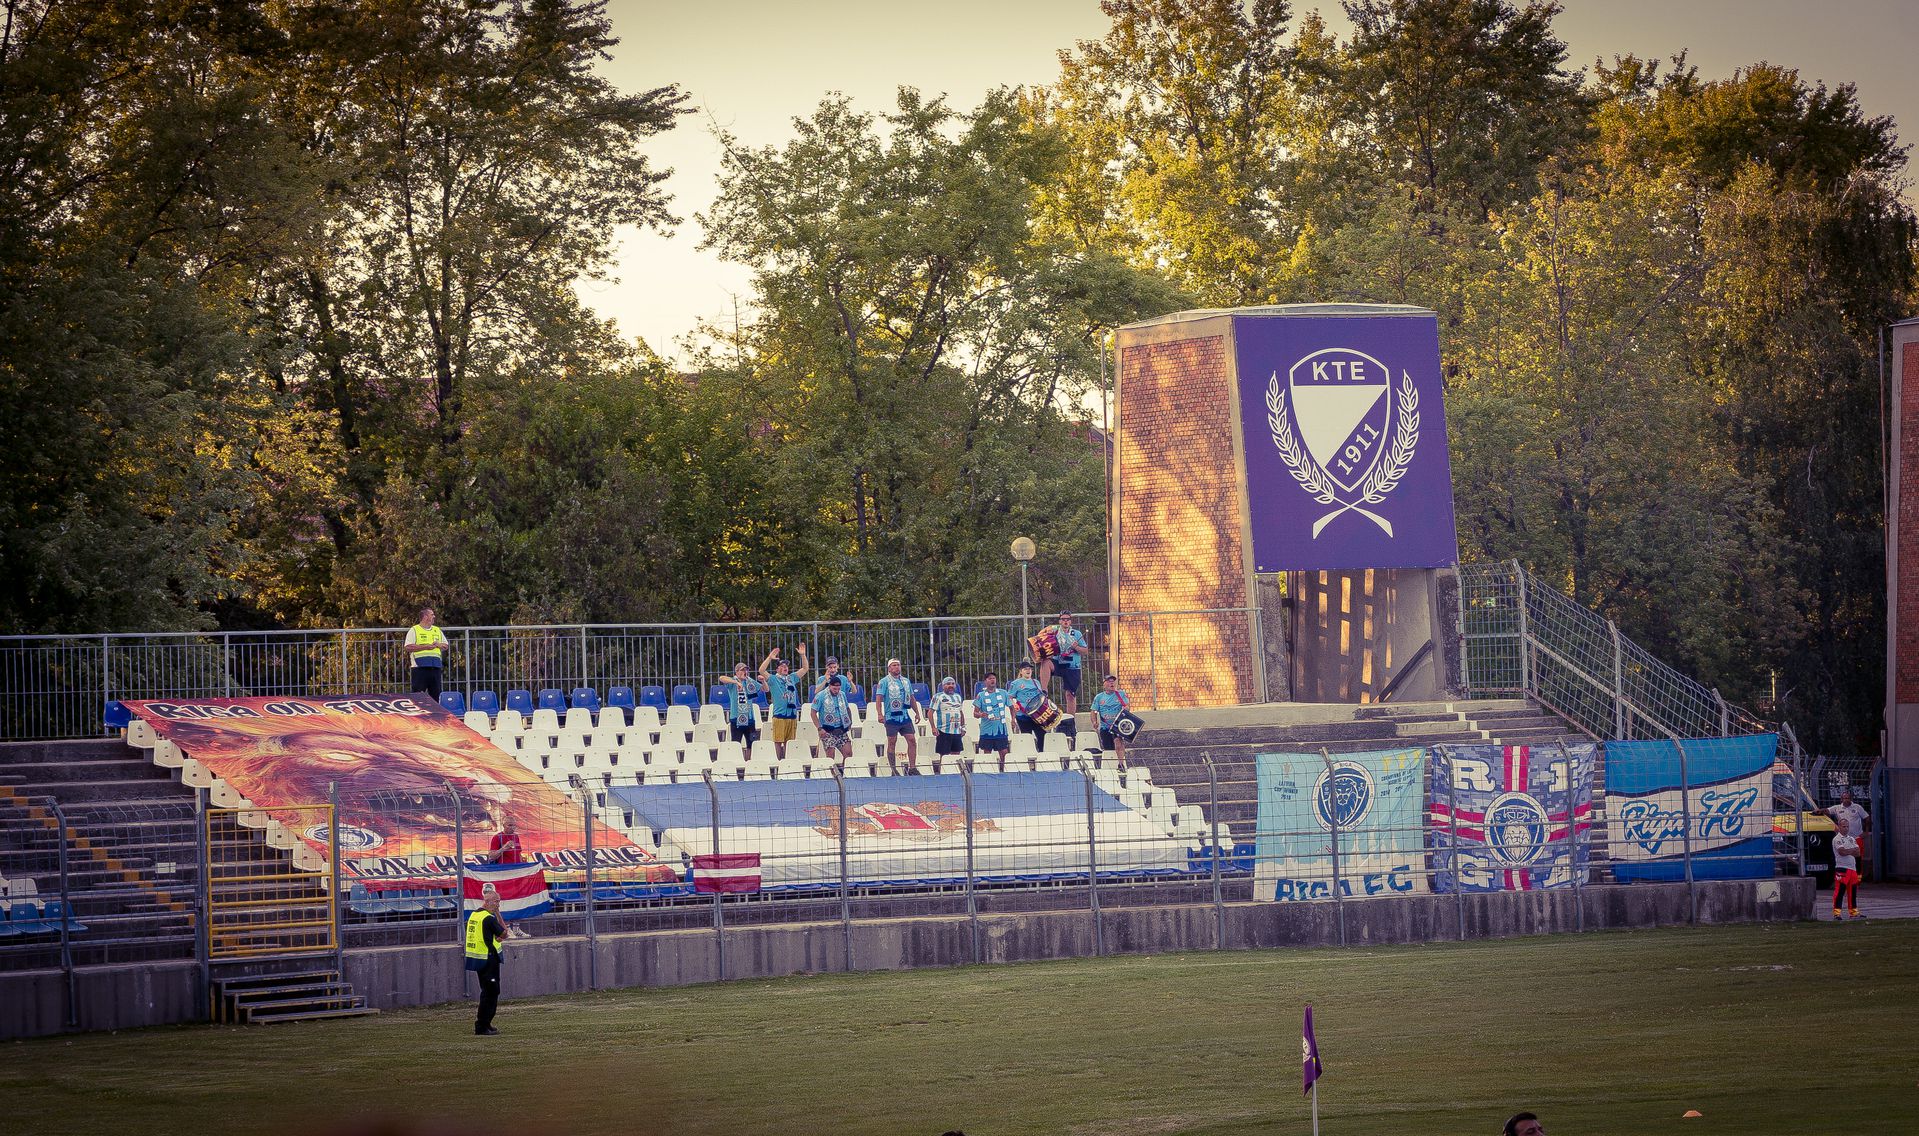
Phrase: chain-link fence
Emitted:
{"points": [[57, 686]]}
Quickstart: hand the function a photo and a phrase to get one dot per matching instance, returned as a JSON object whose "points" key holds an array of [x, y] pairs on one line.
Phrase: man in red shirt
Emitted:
{"points": [[506, 844]]}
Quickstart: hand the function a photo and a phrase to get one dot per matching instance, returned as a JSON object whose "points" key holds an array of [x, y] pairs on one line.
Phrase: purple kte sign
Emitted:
{"points": [[1345, 433]]}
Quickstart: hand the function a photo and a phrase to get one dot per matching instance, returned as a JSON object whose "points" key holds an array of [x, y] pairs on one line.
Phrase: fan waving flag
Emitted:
{"points": [[1309, 1053], [521, 888], [726, 872]]}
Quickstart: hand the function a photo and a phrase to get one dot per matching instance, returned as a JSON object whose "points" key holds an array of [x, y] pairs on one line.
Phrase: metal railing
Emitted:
{"points": [[56, 686], [1522, 636]]}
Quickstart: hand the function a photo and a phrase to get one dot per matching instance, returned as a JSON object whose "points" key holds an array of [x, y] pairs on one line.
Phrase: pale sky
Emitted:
{"points": [[752, 66]]}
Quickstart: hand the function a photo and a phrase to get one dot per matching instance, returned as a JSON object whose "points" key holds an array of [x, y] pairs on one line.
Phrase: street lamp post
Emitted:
{"points": [[1023, 552]]}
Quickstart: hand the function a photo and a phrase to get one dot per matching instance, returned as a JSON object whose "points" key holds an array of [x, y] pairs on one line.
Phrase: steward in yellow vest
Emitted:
{"points": [[484, 932], [425, 647]]}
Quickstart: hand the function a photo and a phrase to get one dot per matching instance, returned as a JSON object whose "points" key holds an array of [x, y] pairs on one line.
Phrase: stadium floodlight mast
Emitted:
{"points": [[1023, 551]]}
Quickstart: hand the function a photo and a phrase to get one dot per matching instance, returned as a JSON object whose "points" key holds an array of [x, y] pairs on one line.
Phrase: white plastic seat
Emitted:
{"points": [[578, 718], [478, 722], [678, 717], [729, 753], [764, 751], [612, 718], [1057, 743], [194, 774], [1022, 746], [167, 755], [140, 733], [708, 733], [712, 712], [544, 722], [647, 719]]}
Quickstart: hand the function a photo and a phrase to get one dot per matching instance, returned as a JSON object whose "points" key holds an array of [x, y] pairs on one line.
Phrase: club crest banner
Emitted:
{"points": [[1345, 438], [1728, 793], [1511, 818], [392, 757], [1375, 801]]}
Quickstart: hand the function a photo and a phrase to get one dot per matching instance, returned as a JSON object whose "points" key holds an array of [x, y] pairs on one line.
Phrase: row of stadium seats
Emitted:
{"points": [[656, 698], [19, 917], [619, 698], [546, 729]]}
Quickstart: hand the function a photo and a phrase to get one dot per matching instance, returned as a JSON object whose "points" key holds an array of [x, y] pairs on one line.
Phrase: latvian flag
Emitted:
{"points": [[522, 889], [726, 872]]}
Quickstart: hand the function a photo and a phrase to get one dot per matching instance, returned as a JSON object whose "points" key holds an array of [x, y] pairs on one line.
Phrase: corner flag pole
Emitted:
{"points": [[1309, 1066]]}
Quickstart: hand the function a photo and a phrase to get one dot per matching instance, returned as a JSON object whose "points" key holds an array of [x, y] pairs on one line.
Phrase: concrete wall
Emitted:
{"points": [[120, 997]]}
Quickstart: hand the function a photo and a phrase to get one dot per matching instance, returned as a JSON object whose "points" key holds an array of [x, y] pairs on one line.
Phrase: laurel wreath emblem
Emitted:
{"points": [[1381, 480]]}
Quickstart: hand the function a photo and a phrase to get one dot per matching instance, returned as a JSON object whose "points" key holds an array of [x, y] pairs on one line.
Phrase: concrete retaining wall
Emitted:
{"points": [[119, 997]]}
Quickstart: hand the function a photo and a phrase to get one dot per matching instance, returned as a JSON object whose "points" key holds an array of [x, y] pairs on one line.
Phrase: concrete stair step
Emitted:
{"points": [[360, 1011]]}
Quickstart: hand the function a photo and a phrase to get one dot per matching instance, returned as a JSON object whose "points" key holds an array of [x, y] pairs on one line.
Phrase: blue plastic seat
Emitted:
{"points": [[552, 699], [762, 699], [586, 698], [686, 695], [717, 695], [521, 700], [453, 701], [855, 695], [654, 696], [923, 693], [488, 701], [620, 696], [116, 715]]}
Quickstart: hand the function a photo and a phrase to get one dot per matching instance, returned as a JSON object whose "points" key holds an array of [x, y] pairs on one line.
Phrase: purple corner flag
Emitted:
{"points": [[1309, 1053]]}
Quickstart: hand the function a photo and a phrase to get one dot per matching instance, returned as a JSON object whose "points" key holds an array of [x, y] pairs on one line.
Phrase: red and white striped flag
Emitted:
{"points": [[726, 872], [521, 887]]}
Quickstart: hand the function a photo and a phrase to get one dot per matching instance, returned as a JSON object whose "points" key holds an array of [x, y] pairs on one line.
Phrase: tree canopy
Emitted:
{"points": [[289, 332]]}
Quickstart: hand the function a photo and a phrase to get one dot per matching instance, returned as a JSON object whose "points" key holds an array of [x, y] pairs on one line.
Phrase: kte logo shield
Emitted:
{"points": [[1344, 429]]}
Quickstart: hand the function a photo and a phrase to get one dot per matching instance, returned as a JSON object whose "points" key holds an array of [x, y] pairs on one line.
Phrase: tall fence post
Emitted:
{"points": [[1725, 714], [466, 666], [846, 897], [1452, 819], [932, 656], [1212, 813], [226, 662], [66, 913], [1092, 863], [203, 900], [1799, 790], [1525, 632], [333, 866], [1572, 837], [343, 662], [972, 899], [1258, 648], [1618, 683], [1332, 825], [592, 936], [1685, 810], [719, 911], [459, 864]]}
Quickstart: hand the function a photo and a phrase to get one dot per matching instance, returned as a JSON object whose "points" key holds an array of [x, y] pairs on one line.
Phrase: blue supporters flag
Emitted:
{"points": [[1309, 1053]]}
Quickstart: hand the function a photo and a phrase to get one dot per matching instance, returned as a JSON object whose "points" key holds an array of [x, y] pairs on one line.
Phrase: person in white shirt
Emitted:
{"points": [[948, 713], [1851, 825]]}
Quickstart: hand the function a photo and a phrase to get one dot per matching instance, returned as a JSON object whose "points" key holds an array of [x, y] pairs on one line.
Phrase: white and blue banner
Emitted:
{"points": [[1728, 791], [1373, 799], [1511, 818], [1026, 826]]}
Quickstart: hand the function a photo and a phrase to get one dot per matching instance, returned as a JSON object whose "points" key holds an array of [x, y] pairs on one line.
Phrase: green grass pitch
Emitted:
{"points": [[1773, 1028]]}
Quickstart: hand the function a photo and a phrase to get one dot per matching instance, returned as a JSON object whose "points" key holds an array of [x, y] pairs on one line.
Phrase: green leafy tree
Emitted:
{"points": [[921, 348]]}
